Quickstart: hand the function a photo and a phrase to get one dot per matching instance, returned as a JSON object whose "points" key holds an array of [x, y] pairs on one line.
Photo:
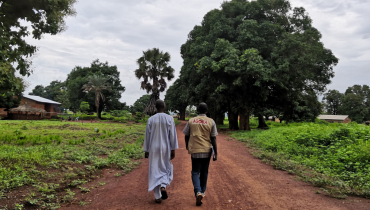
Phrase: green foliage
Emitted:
{"points": [[356, 103], [333, 101], [140, 104], [70, 152], [79, 77], [338, 151], [84, 106], [10, 86], [43, 17], [242, 63], [154, 65], [176, 99]]}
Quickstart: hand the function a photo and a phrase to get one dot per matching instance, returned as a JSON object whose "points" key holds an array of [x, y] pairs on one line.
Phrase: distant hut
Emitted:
{"points": [[26, 112], [335, 118]]}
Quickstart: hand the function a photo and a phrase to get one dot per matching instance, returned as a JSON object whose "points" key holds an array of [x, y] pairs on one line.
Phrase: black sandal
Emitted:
{"points": [[164, 193], [158, 200]]}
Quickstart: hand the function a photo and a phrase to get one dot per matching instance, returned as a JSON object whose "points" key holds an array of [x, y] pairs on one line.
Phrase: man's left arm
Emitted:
{"points": [[213, 140]]}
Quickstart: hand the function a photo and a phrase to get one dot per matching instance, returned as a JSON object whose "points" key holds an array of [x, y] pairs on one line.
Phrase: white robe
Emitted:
{"points": [[160, 139]]}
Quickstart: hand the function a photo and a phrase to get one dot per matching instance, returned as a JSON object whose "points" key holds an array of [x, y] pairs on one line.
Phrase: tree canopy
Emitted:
{"points": [[140, 104], [79, 77], [176, 100], [154, 65], [97, 84], [41, 17], [254, 54]]}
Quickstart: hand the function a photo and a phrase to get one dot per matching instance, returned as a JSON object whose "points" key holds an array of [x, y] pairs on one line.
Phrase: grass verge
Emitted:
{"points": [[43, 163], [334, 157]]}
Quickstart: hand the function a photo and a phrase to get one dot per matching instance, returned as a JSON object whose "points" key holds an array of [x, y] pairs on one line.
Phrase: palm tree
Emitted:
{"points": [[153, 65], [97, 84]]}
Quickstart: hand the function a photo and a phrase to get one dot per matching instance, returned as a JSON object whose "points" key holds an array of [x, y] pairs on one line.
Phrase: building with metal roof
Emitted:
{"points": [[335, 118], [41, 99], [50, 108]]}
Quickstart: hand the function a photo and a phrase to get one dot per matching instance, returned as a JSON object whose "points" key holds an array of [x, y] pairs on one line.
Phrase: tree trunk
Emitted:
{"points": [[182, 113], [261, 122], [220, 118], [244, 120], [233, 121], [150, 108]]}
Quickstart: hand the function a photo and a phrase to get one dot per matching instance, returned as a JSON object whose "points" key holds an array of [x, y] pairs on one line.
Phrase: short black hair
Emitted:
{"points": [[159, 104], [202, 108]]}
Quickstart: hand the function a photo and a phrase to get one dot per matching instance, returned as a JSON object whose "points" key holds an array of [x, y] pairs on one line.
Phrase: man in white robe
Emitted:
{"points": [[159, 146]]}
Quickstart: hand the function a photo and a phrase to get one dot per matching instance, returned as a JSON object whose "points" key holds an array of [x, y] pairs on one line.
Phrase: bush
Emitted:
{"points": [[339, 151]]}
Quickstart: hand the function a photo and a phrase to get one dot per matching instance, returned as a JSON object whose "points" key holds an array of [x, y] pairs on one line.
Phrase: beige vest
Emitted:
{"points": [[200, 134]]}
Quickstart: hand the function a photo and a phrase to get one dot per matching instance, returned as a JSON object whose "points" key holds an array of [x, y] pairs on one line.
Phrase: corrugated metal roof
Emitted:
{"points": [[333, 117], [41, 99]]}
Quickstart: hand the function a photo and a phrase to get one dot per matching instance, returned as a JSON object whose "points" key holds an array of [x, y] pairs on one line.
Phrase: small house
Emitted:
{"points": [[49, 108], [335, 118]]}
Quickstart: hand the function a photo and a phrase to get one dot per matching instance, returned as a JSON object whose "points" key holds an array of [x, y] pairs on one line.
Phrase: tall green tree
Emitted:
{"points": [[10, 86], [62, 98], [154, 65], [176, 99], [250, 51], [43, 17], [333, 101], [96, 84], [356, 103], [79, 76]]}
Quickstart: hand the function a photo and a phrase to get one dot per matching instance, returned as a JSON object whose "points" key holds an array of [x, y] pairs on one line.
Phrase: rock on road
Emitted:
{"points": [[237, 180]]}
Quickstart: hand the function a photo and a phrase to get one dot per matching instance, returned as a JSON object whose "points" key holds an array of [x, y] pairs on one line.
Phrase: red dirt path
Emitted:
{"points": [[236, 181]]}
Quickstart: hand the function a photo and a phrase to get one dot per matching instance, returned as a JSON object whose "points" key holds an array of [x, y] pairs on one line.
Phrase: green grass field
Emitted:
{"points": [[50, 158], [335, 157]]}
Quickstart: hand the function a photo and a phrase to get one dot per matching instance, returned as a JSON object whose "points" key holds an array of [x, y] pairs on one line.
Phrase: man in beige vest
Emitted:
{"points": [[200, 138]]}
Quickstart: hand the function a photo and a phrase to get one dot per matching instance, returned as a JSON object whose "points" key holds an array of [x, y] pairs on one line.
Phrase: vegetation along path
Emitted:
{"points": [[237, 180]]}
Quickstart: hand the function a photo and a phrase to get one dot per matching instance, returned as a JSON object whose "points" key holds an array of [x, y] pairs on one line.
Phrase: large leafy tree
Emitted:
{"points": [[333, 101], [97, 84], [176, 100], [252, 53], [154, 69], [42, 17], [79, 76], [10, 86], [356, 103], [140, 104]]}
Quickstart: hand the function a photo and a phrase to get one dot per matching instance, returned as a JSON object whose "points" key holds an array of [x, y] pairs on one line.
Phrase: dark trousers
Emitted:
{"points": [[199, 173]]}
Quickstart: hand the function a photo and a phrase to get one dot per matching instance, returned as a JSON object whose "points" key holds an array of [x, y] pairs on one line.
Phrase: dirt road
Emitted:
{"points": [[236, 181]]}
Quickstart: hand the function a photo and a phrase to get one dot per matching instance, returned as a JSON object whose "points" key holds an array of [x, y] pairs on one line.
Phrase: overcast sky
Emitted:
{"points": [[118, 31]]}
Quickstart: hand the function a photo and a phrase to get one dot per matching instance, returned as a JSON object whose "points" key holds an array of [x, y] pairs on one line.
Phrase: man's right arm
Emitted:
{"points": [[187, 138], [214, 145]]}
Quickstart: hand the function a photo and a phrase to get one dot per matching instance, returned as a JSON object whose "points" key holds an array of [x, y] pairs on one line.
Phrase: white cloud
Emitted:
{"points": [[118, 31]]}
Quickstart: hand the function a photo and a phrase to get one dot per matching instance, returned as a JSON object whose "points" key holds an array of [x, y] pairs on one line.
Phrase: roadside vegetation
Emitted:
{"points": [[334, 157], [43, 163]]}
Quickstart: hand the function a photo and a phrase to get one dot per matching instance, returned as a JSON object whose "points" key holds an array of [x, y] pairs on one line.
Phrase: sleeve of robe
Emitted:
{"points": [[146, 145], [173, 136]]}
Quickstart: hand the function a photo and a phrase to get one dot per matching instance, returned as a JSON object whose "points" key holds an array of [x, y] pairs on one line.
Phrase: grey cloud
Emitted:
{"points": [[118, 31]]}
